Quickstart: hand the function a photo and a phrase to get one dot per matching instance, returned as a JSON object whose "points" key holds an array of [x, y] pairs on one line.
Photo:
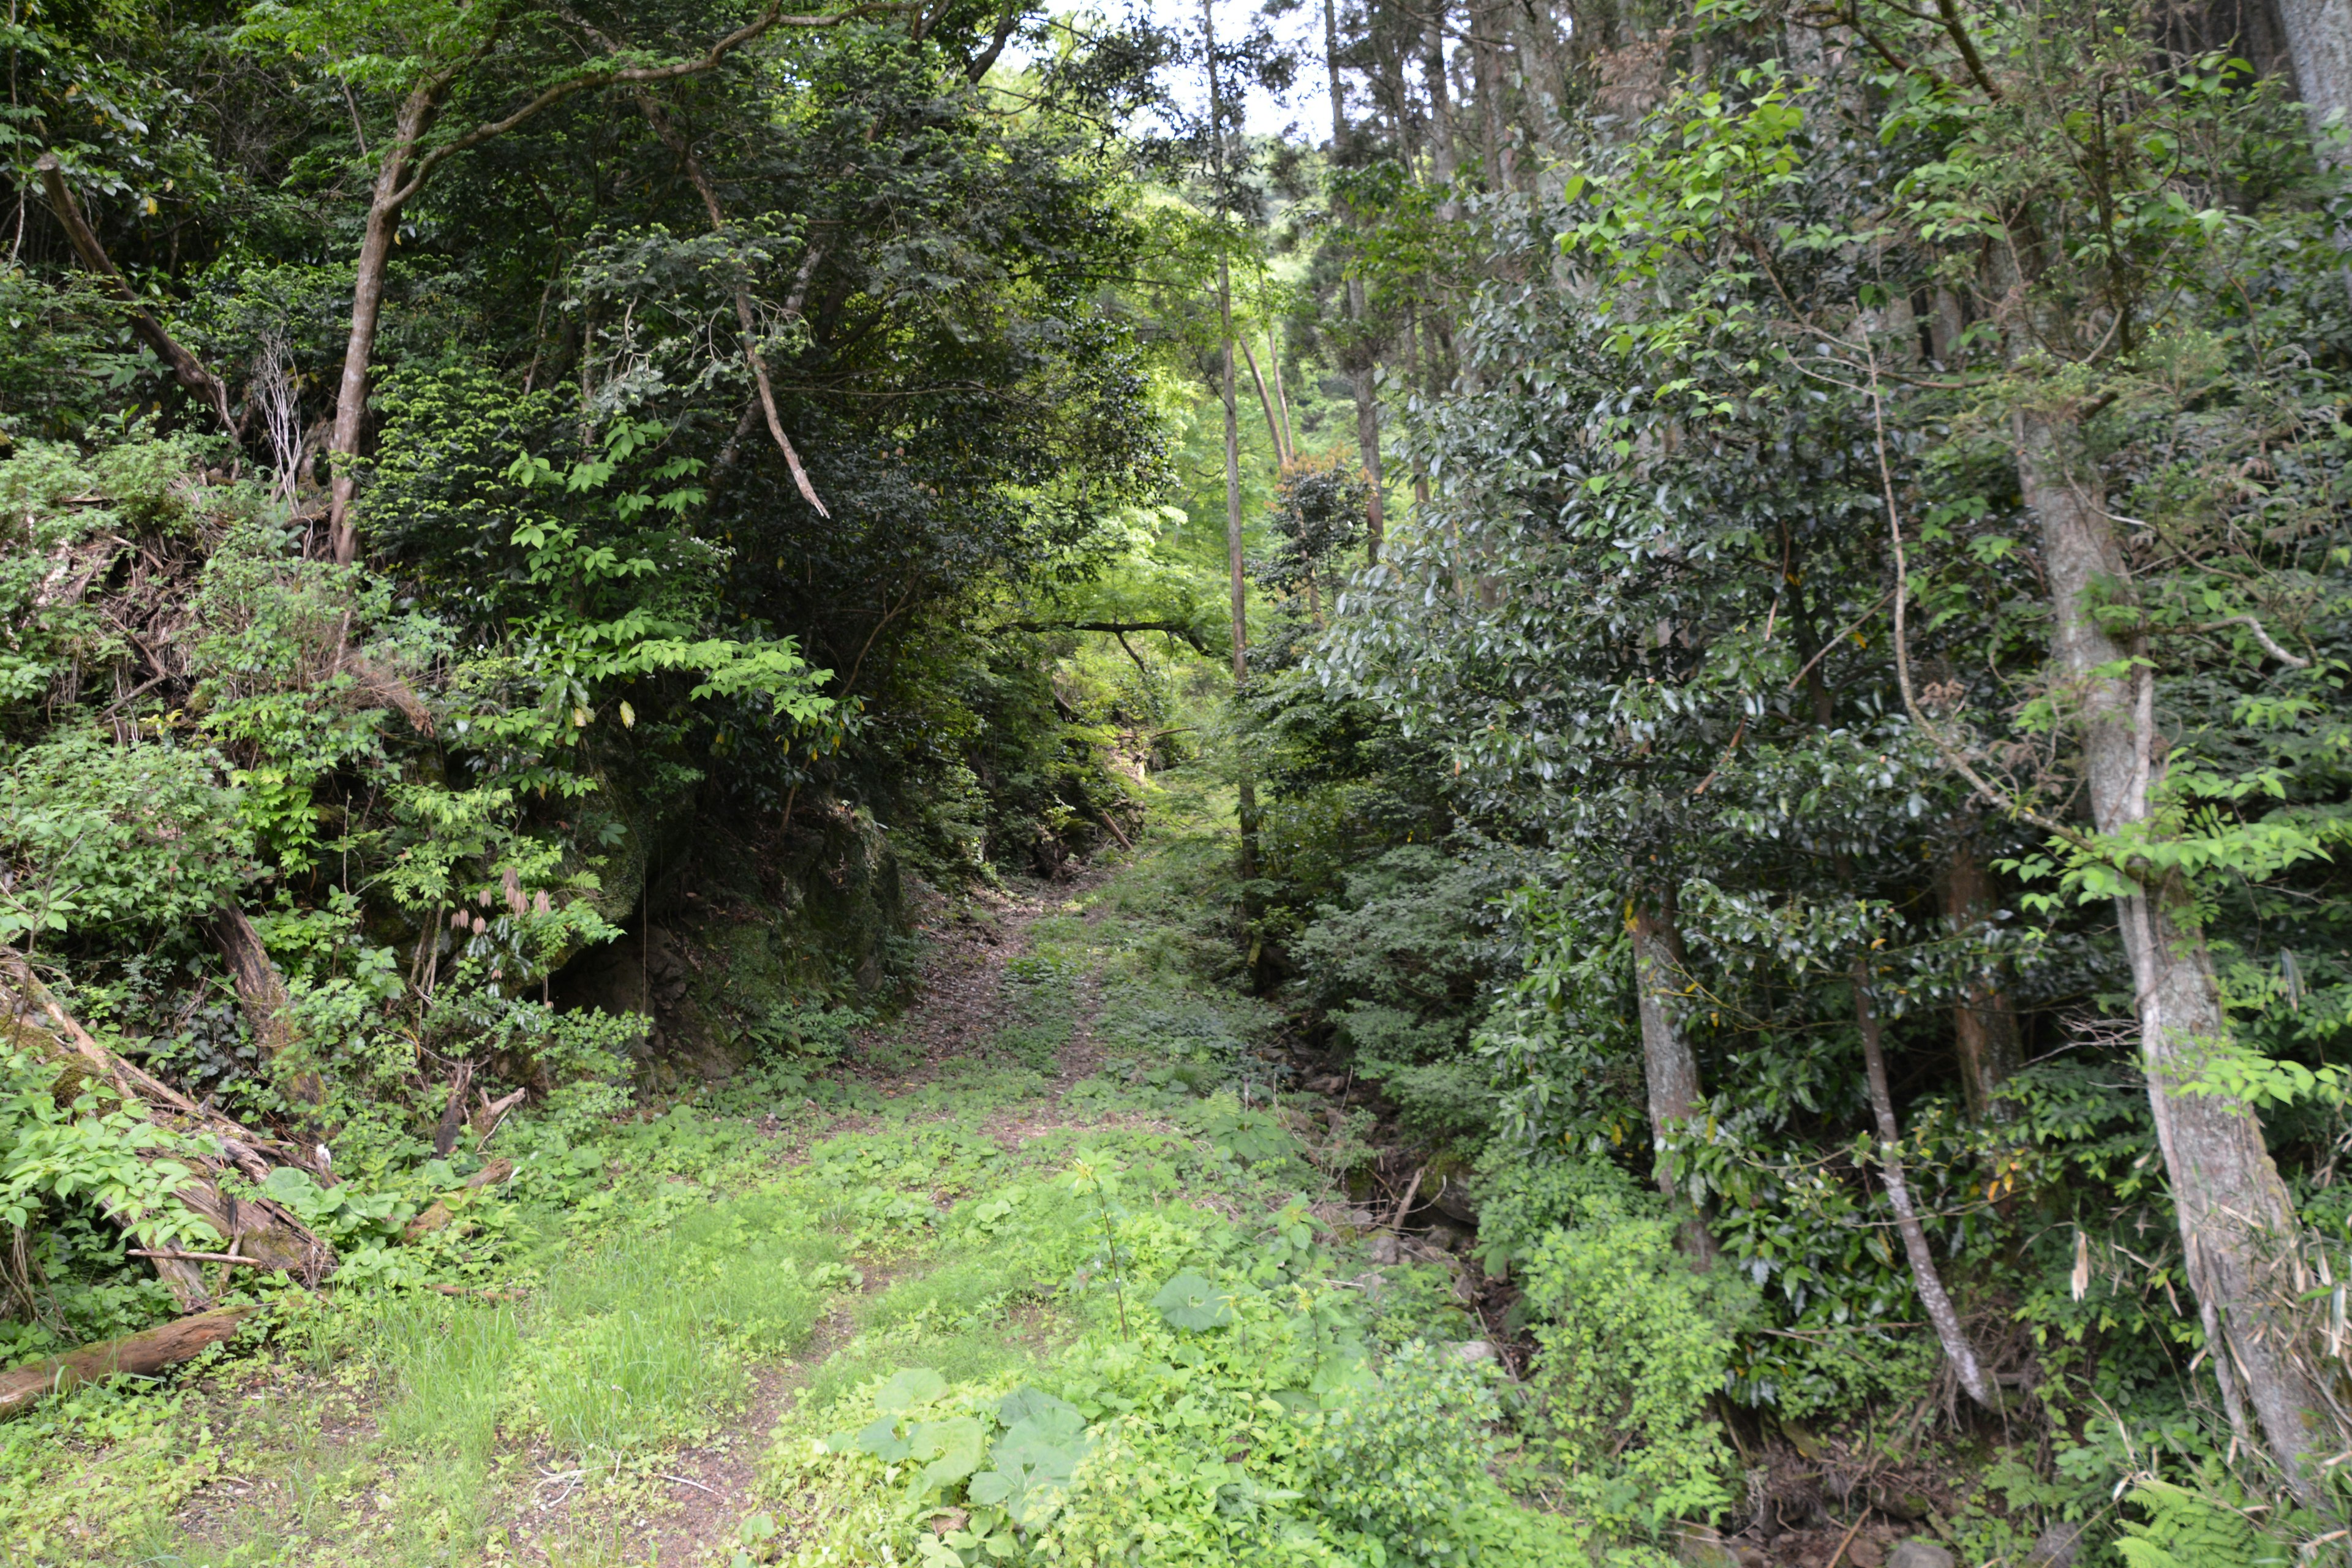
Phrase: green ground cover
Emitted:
{"points": [[1076, 1292]]}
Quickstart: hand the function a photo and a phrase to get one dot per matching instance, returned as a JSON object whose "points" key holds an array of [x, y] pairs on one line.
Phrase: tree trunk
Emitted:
{"points": [[1441, 152], [142, 1354], [1361, 373], [418, 112], [186, 369], [1924, 1275], [1984, 1025], [261, 991], [1669, 1070], [2236, 1220], [1237, 567], [1367, 439], [1281, 400], [1266, 402], [2319, 39]]}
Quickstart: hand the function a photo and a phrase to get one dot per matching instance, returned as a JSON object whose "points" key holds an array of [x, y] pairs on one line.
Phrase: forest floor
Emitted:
{"points": [[619, 1371]]}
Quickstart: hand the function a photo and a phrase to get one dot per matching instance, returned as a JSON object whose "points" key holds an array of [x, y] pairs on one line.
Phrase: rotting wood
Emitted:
{"points": [[261, 992], [142, 1354], [453, 1115], [256, 1228], [439, 1213], [493, 1111], [1405, 1204]]}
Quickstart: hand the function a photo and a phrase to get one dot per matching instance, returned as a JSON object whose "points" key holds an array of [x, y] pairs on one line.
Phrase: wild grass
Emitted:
{"points": [[642, 1344]]}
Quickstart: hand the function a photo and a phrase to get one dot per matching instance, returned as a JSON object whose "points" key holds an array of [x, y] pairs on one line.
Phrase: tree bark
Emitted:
{"points": [[1669, 1068], [1281, 399], [2237, 1222], [261, 991], [2319, 40], [1924, 1275], [1441, 152], [1236, 565], [1984, 1025], [1360, 373], [418, 112], [142, 1354], [1368, 442], [453, 1115], [1266, 402]]}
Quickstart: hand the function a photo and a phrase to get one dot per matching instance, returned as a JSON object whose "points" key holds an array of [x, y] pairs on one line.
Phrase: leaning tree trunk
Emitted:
{"points": [[1926, 1277], [1669, 1068], [418, 112], [261, 992], [2237, 1222], [258, 1232]]}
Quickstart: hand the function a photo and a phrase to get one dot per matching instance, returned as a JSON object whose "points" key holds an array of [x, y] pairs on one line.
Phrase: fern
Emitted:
{"points": [[2187, 1528]]}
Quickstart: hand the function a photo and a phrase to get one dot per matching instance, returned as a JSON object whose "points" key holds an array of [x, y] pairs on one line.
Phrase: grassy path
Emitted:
{"points": [[657, 1349]]}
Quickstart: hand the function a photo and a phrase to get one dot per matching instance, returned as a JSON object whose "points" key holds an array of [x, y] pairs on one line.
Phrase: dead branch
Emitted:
{"points": [[261, 991], [256, 1227], [440, 1214], [1181, 630], [453, 1115]]}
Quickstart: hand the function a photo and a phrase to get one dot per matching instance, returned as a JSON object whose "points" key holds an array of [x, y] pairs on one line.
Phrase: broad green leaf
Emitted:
{"points": [[914, 1385], [1191, 1302]]}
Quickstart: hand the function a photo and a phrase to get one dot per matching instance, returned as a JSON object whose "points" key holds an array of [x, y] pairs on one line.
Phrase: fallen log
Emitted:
{"points": [[258, 1228], [440, 1214], [142, 1354]]}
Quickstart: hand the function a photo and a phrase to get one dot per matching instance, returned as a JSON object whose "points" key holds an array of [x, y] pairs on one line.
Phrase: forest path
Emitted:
{"points": [[996, 1029], [960, 1004]]}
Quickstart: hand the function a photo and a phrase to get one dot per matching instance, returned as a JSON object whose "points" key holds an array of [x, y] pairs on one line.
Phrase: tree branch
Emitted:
{"points": [[1179, 629], [767, 21], [188, 370], [678, 143], [1968, 56], [1950, 754]]}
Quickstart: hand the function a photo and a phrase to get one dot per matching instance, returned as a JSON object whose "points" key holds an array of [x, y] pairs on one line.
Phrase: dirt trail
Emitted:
{"points": [[959, 998], [958, 1001], [692, 1501]]}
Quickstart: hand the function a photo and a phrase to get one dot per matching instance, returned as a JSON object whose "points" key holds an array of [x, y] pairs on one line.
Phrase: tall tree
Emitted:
{"points": [[421, 54]]}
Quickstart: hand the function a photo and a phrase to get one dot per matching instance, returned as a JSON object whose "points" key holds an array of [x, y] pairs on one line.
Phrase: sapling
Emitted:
{"points": [[1087, 1176]]}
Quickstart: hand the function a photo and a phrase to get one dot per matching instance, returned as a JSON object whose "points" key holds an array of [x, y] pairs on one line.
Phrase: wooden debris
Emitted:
{"points": [[257, 1228], [439, 1213], [143, 1354]]}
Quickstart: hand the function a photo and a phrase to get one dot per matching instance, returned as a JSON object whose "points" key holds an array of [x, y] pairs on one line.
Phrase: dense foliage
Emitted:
{"points": [[1769, 584]]}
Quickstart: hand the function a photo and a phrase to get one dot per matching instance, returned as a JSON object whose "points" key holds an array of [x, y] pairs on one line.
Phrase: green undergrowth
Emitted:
{"points": [[1002, 1319], [1223, 1393]]}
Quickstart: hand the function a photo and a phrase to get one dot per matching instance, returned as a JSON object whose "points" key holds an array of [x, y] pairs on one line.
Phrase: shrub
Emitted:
{"points": [[101, 838], [1634, 1343]]}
